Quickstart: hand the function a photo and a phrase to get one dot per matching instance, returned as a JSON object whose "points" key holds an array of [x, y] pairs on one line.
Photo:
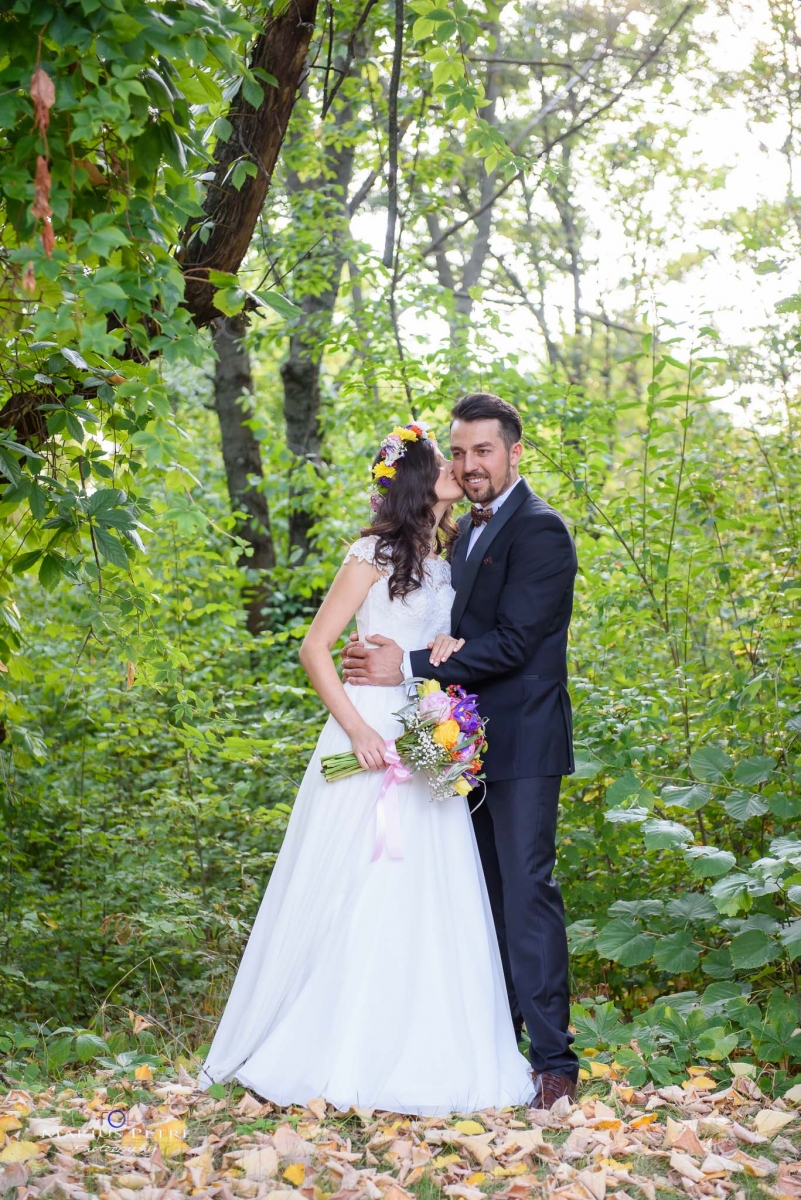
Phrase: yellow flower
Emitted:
{"points": [[463, 786], [381, 471], [447, 734], [406, 435], [430, 685]]}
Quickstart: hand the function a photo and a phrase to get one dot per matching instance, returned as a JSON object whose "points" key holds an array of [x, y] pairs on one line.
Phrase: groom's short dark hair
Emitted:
{"points": [[484, 406]]}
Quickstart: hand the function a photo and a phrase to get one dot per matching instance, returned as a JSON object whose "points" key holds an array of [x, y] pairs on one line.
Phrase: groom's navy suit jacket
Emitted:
{"points": [[514, 599]]}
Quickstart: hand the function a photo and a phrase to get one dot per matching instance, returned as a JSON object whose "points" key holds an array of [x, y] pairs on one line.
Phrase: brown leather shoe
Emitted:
{"points": [[550, 1088]]}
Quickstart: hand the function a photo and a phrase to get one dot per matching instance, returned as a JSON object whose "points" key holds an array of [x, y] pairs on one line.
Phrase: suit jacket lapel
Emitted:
{"points": [[460, 549], [468, 573]]}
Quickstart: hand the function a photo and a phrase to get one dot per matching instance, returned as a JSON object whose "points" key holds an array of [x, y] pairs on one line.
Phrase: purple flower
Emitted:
{"points": [[466, 714]]}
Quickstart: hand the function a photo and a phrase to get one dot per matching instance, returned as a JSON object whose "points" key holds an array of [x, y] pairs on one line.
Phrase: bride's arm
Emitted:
{"points": [[352, 583]]}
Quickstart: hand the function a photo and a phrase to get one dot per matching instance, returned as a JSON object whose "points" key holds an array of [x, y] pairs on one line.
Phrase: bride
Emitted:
{"points": [[376, 981]]}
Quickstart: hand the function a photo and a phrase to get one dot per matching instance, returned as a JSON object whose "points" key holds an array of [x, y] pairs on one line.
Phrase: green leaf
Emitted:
{"points": [[710, 764], [790, 938], [717, 995], [709, 860], [111, 547], [278, 303], [785, 807], [741, 806], [604, 1027], [88, 1045], [620, 790], [754, 770], [25, 561], [586, 764], [692, 907], [75, 359], [624, 942], [716, 1044], [753, 949], [731, 894], [50, 571], [253, 92], [789, 304], [691, 798], [676, 953], [230, 301], [665, 835], [642, 909], [627, 816], [59, 1051], [717, 964], [104, 499], [9, 466]]}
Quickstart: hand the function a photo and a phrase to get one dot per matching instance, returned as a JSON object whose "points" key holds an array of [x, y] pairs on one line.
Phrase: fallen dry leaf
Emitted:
{"points": [[769, 1121], [15, 1152]]}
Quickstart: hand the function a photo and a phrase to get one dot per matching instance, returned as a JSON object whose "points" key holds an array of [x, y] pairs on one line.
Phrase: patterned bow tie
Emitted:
{"points": [[480, 516]]}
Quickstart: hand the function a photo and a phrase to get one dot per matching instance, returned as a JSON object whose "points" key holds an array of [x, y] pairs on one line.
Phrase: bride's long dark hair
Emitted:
{"points": [[405, 520]]}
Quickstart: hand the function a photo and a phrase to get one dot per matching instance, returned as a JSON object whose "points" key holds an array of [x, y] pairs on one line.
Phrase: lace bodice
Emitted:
{"points": [[414, 620]]}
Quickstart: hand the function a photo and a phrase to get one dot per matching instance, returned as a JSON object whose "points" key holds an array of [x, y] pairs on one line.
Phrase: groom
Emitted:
{"points": [[513, 569]]}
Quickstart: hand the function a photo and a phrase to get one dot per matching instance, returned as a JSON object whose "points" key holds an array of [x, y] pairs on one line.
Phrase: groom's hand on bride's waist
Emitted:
{"points": [[380, 667]]}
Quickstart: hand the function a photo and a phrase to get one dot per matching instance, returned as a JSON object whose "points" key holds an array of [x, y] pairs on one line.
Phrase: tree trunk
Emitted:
{"points": [[300, 372], [233, 400], [256, 137]]}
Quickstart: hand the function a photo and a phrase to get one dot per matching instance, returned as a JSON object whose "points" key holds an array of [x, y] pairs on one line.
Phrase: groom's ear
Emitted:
{"points": [[515, 453]]}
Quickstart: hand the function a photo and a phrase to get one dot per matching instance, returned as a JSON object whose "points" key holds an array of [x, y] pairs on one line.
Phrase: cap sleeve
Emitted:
{"points": [[364, 551]]}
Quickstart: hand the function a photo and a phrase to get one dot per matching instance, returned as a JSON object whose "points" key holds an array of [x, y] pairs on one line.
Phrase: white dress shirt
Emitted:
{"points": [[475, 533]]}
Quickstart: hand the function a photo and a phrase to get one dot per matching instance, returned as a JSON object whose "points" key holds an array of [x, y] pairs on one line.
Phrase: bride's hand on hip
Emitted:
{"points": [[443, 647], [369, 747]]}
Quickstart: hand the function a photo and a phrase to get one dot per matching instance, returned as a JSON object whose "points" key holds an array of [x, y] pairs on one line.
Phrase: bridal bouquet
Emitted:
{"points": [[443, 736]]}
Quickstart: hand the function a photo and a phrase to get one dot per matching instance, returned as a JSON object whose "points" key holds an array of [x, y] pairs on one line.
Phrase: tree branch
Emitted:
{"points": [[548, 146], [349, 56], [392, 137]]}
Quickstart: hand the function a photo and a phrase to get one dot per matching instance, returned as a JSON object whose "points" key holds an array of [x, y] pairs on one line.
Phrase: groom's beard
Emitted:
{"points": [[483, 491]]}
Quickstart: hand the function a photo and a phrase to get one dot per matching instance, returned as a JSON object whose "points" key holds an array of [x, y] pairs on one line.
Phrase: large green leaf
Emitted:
{"points": [[790, 938], [665, 835], [754, 770], [717, 964], [710, 764], [717, 995], [676, 953], [709, 860], [586, 765], [620, 790], [692, 907], [731, 894], [625, 942], [741, 806], [753, 949], [641, 909], [693, 797], [785, 807], [716, 1044], [111, 547], [89, 1045], [627, 816]]}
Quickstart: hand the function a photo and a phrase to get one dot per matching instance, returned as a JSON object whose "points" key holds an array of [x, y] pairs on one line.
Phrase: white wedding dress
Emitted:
{"points": [[375, 983]]}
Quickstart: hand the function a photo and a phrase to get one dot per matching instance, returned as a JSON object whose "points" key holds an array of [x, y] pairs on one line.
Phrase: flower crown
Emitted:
{"points": [[393, 448]]}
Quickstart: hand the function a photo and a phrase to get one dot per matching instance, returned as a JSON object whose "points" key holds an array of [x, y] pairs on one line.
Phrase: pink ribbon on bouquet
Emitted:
{"points": [[387, 814]]}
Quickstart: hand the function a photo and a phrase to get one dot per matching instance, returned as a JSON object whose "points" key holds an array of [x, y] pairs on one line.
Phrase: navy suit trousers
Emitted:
{"points": [[515, 829]]}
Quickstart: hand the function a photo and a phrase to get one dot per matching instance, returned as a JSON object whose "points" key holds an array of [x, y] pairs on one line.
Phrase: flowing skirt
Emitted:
{"points": [[376, 984]]}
